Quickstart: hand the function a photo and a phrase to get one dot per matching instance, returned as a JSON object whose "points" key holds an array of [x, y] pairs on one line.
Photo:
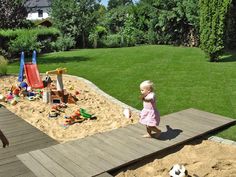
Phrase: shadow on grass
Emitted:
{"points": [[56, 59], [230, 56]]}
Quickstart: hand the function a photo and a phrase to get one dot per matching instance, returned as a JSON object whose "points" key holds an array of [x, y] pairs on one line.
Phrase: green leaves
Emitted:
{"points": [[212, 18], [75, 18], [12, 14]]}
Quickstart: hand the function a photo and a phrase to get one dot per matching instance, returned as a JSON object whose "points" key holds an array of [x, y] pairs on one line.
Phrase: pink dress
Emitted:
{"points": [[149, 115]]}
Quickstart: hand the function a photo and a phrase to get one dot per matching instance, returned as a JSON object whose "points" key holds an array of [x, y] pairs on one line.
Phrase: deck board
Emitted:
{"points": [[97, 154], [23, 138], [76, 156], [65, 162]]}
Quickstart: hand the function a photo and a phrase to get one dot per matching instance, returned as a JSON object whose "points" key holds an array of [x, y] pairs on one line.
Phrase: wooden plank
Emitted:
{"points": [[210, 116], [188, 116], [137, 139], [10, 131], [203, 122], [129, 142], [75, 157], [51, 165], [4, 111], [23, 148], [20, 132], [185, 123], [73, 168], [13, 169], [35, 166], [94, 159], [104, 150], [96, 150], [127, 152], [8, 160], [167, 138], [8, 115], [9, 119], [22, 137], [19, 126], [26, 138], [88, 153], [28, 174]]}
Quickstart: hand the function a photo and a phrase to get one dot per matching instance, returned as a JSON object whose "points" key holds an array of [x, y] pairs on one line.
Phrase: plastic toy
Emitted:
{"points": [[84, 113], [47, 82], [9, 97], [56, 110], [23, 85], [31, 71], [31, 98], [58, 72], [2, 98], [59, 107], [53, 114], [127, 113], [16, 91], [74, 118]]}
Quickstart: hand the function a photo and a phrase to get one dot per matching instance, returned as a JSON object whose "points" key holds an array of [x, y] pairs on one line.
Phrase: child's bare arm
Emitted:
{"points": [[149, 97]]}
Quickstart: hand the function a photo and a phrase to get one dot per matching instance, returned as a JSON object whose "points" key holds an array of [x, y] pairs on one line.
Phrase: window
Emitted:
{"points": [[40, 13]]}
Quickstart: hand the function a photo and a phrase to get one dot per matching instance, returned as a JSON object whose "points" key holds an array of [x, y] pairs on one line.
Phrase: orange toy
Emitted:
{"points": [[74, 118]]}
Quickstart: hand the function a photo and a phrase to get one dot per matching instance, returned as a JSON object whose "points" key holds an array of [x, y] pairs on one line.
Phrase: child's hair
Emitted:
{"points": [[147, 84]]}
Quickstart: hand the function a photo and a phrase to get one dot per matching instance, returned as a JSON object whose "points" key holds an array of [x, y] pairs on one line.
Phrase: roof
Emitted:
{"points": [[38, 3]]}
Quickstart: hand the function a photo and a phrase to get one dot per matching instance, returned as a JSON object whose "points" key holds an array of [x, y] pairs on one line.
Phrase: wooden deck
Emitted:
{"points": [[23, 138], [103, 152]]}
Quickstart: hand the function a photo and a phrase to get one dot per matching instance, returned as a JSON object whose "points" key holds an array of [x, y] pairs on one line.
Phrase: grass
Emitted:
{"points": [[183, 76]]}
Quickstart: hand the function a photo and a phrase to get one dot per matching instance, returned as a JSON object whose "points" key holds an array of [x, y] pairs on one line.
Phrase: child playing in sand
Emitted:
{"points": [[149, 115]]}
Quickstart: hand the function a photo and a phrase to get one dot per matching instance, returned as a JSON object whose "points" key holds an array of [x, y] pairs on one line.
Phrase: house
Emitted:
{"points": [[38, 9]]}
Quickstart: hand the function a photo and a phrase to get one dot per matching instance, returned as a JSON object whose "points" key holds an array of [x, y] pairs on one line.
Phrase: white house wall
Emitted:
{"points": [[34, 16]]}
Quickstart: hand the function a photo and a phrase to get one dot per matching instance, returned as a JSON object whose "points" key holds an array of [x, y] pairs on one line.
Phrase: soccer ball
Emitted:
{"points": [[178, 171]]}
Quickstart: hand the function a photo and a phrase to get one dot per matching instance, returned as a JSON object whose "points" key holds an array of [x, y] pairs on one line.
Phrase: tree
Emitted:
{"points": [[169, 22], [75, 18], [116, 18], [12, 14], [230, 25], [212, 19], [115, 3]]}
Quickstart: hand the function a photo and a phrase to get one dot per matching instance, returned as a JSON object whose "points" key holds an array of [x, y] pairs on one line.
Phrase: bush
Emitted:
{"points": [[63, 43], [139, 37], [26, 41], [3, 65], [96, 35], [112, 40], [12, 42]]}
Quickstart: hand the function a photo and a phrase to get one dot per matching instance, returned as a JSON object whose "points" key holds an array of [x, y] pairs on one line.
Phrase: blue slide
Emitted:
{"points": [[22, 63]]}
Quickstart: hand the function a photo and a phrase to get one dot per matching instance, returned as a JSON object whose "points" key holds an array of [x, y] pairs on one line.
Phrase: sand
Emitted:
{"points": [[109, 115], [204, 158]]}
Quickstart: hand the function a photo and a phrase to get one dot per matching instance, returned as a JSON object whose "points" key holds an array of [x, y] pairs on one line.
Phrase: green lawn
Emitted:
{"points": [[183, 76]]}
